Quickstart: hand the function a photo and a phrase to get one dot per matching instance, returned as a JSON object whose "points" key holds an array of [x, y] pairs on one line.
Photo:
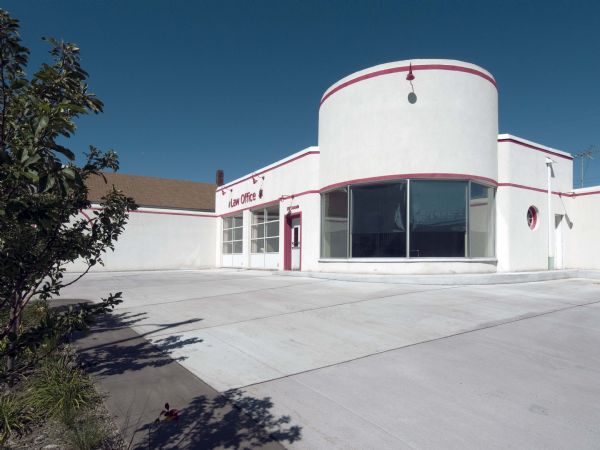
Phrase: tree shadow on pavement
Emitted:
{"points": [[113, 347], [231, 420]]}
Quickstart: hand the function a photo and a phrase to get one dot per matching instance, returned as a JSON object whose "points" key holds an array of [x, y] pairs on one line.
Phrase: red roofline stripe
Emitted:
{"points": [[533, 147], [530, 188], [401, 176], [166, 213], [450, 67], [258, 174], [580, 194]]}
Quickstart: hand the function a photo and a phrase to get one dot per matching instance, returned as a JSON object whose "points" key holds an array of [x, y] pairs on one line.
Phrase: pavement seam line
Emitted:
{"points": [[482, 328], [222, 295], [254, 319]]}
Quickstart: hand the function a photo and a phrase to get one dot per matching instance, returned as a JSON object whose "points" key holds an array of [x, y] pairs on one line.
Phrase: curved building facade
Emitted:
{"points": [[409, 176]]}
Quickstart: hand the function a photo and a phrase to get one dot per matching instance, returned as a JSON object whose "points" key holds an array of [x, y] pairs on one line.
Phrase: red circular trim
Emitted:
{"points": [[534, 217], [378, 73]]}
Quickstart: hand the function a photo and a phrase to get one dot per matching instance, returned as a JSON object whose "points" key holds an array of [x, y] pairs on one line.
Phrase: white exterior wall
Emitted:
{"points": [[158, 239], [291, 182], [368, 128], [369, 131], [583, 240], [522, 182]]}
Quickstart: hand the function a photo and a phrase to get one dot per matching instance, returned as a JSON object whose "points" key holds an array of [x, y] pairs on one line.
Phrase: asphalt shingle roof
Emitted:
{"points": [[156, 192]]}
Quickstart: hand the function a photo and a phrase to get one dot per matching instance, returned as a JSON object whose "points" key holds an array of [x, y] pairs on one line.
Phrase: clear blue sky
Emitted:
{"points": [[193, 86]]}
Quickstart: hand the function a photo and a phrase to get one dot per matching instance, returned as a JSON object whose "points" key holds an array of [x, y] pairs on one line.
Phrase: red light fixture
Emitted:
{"points": [[410, 75]]}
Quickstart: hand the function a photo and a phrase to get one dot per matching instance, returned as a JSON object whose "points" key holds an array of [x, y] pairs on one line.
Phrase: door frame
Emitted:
{"points": [[287, 241]]}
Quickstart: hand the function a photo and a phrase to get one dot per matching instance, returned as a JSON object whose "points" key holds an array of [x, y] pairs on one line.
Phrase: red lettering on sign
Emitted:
{"points": [[246, 197]]}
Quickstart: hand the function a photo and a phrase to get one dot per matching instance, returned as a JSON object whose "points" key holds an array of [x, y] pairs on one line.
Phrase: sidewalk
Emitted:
{"points": [[139, 379], [456, 279]]}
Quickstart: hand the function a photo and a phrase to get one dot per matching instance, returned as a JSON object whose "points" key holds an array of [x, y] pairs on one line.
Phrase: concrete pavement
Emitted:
{"points": [[381, 365]]}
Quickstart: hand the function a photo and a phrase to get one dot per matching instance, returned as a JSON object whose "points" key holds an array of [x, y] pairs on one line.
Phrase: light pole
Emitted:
{"points": [[549, 164]]}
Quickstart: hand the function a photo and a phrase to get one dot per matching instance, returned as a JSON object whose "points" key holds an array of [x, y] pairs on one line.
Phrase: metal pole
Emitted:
{"points": [[549, 163]]}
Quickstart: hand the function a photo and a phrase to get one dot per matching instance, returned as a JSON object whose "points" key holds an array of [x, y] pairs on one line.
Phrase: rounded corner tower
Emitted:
{"points": [[408, 169], [429, 118]]}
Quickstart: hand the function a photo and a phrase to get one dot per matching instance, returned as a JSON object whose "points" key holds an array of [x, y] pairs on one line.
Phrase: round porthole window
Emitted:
{"points": [[532, 217]]}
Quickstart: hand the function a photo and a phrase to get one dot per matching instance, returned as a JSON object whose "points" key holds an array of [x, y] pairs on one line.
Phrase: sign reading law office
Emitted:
{"points": [[245, 198]]}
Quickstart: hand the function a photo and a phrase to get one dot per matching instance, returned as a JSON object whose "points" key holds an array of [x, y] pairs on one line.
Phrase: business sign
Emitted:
{"points": [[245, 198]]}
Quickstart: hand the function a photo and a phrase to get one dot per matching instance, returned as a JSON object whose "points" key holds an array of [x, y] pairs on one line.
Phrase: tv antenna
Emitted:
{"points": [[587, 154]]}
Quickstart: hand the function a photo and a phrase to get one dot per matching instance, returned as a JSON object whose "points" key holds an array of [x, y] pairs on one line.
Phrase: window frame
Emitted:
{"points": [[408, 181], [264, 225], [232, 229]]}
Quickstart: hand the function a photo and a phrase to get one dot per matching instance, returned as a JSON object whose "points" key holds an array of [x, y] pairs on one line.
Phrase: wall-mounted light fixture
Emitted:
{"points": [[412, 97], [410, 76]]}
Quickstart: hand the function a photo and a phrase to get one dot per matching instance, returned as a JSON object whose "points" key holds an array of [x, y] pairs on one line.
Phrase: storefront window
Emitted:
{"points": [[445, 219], [334, 226], [233, 233], [438, 218], [379, 220], [481, 221], [265, 230]]}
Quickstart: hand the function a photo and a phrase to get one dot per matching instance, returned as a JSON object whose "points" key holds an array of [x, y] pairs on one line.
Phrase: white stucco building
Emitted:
{"points": [[410, 175]]}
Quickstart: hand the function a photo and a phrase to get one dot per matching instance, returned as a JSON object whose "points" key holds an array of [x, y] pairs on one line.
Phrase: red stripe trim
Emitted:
{"points": [[416, 67], [580, 194], [447, 176], [87, 217], [514, 141], [258, 205], [137, 211], [530, 188], [270, 202], [258, 174]]}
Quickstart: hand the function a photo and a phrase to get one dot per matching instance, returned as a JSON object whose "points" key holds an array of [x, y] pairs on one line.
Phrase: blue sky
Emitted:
{"points": [[193, 86]]}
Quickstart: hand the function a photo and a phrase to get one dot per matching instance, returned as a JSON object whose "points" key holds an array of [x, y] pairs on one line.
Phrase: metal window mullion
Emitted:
{"points": [[494, 192], [468, 217], [349, 222], [408, 218]]}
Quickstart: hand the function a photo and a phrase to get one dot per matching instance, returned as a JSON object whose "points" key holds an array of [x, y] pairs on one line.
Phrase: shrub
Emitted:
{"points": [[87, 434], [15, 416], [60, 389]]}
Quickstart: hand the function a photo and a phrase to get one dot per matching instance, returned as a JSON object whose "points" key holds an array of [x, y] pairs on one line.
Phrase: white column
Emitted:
{"points": [[549, 163]]}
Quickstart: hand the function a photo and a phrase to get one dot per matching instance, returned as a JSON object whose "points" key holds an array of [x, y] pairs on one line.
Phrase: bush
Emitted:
{"points": [[15, 416], [87, 434], [60, 389]]}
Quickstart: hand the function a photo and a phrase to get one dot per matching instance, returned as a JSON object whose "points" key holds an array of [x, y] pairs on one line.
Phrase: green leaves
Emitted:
{"points": [[42, 123], [41, 197]]}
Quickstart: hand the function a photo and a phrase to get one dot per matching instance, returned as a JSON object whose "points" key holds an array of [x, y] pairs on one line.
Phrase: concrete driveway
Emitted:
{"points": [[363, 365]]}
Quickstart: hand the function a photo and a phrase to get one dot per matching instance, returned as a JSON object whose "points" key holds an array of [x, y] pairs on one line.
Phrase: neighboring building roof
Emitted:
{"points": [[156, 192]]}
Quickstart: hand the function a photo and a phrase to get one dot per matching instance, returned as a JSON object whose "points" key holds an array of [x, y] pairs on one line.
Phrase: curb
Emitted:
{"points": [[452, 279]]}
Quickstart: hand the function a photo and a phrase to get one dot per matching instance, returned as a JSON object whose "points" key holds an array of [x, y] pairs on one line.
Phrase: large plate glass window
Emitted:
{"points": [[481, 221], [379, 220], [334, 224], [233, 232], [438, 218], [433, 218], [265, 230]]}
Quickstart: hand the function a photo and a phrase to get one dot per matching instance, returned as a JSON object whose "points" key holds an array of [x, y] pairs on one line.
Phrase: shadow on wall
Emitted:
{"points": [[230, 420]]}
